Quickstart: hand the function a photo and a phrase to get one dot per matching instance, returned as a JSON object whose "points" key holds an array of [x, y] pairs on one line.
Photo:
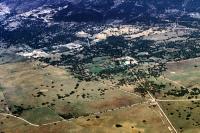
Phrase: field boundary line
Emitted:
{"points": [[177, 100], [96, 113]]}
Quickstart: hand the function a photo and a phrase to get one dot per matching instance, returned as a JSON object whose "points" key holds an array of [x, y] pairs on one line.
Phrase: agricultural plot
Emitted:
{"points": [[100, 64]]}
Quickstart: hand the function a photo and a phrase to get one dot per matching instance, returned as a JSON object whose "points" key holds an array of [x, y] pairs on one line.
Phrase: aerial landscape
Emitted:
{"points": [[99, 66]]}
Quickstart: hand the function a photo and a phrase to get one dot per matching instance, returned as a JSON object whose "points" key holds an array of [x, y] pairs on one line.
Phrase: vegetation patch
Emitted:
{"points": [[40, 115]]}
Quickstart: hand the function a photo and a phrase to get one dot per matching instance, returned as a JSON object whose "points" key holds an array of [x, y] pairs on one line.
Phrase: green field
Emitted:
{"points": [[40, 115]]}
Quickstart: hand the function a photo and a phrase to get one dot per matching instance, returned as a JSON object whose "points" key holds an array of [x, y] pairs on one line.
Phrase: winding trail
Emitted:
{"points": [[35, 125]]}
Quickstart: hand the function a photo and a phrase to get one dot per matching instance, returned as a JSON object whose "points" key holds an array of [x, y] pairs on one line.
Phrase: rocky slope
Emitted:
{"points": [[104, 10]]}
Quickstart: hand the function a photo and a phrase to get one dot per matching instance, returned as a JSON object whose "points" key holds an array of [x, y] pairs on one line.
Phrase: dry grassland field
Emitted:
{"points": [[184, 115], [99, 66], [186, 72], [140, 118], [55, 89], [36, 97]]}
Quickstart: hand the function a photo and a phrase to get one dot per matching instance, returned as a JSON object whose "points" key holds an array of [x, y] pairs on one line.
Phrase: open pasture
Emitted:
{"points": [[139, 118], [31, 85]]}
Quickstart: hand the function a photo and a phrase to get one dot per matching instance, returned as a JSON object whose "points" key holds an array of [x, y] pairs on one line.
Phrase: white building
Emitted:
{"points": [[127, 61]]}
